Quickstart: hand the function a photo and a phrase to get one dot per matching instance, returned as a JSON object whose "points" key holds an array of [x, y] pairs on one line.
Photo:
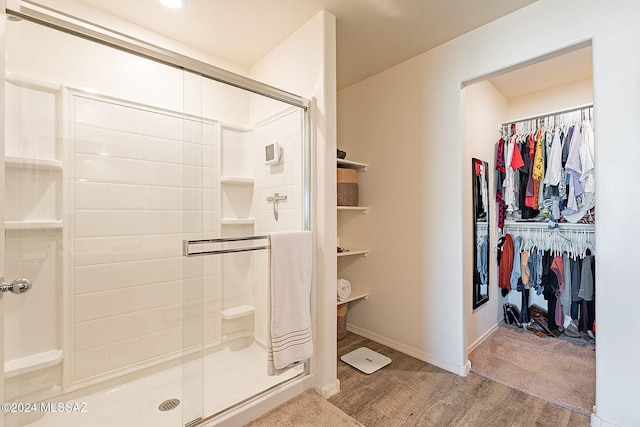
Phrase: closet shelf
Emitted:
{"points": [[360, 167], [362, 209], [32, 163], [233, 221], [354, 251], [520, 225], [355, 295], [236, 180], [33, 224]]}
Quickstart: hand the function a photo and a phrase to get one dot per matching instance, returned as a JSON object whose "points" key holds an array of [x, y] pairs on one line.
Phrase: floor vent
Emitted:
{"points": [[168, 405]]}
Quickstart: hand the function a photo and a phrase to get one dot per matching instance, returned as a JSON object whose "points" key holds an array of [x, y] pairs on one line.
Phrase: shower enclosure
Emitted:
{"points": [[117, 167]]}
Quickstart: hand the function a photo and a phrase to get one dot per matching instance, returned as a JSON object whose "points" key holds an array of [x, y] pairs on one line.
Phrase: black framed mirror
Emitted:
{"points": [[480, 186]]}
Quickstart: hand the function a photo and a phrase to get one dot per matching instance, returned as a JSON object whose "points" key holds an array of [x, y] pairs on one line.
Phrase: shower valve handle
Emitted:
{"points": [[18, 286]]}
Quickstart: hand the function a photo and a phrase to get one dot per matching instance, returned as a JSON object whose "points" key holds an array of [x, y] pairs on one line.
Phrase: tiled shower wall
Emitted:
{"points": [[284, 178], [131, 199]]}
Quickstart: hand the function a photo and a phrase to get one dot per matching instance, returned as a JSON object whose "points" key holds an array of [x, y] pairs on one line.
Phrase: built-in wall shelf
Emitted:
{"points": [[236, 221], [236, 180], [238, 311], [361, 209], [355, 295], [353, 165], [32, 163], [43, 224], [32, 363], [353, 251]]}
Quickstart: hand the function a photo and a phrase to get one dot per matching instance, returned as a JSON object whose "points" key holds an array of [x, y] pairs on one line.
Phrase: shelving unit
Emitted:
{"points": [[357, 293], [34, 187], [237, 182]]}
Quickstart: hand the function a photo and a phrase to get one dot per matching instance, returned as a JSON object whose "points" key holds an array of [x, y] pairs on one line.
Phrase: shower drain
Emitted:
{"points": [[168, 405]]}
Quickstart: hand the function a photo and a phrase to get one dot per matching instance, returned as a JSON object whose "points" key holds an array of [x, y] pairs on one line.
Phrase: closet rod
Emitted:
{"points": [[542, 116]]}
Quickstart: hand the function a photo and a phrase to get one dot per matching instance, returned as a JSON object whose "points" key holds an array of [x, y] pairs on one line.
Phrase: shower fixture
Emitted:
{"points": [[276, 198]]}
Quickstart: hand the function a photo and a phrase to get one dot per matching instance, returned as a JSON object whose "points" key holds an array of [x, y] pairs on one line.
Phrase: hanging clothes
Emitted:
{"points": [[546, 170], [506, 263]]}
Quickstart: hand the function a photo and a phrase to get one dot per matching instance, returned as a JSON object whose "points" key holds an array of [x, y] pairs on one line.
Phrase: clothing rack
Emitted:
{"points": [[588, 107], [572, 239], [186, 250]]}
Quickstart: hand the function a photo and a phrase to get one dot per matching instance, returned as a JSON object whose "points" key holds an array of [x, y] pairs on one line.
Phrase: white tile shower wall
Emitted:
{"points": [[31, 132], [134, 297], [284, 178]]}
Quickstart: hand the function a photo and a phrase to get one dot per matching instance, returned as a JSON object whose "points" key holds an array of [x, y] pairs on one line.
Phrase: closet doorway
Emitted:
{"points": [[543, 95]]}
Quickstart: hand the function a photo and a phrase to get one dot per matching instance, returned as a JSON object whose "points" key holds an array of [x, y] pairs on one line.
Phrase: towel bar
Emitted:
{"points": [[186, 250]]}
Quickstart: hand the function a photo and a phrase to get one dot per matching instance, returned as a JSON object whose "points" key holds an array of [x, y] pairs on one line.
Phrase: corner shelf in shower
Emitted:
{"points": [[44, 224], [236, 180], [238, 311], [236, 221], [32, 163], [32, 363]]}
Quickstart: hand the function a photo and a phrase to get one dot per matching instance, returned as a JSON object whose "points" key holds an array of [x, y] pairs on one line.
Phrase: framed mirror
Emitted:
{"points": [[480, 185]]}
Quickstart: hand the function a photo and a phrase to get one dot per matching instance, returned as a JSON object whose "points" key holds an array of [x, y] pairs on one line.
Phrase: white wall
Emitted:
{"points": [[547, 101], [408, 119], [483, 109]]}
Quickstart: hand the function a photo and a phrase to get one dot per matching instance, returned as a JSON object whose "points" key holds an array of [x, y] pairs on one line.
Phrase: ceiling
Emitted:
{"points": [[372, 35], [560, 70]]}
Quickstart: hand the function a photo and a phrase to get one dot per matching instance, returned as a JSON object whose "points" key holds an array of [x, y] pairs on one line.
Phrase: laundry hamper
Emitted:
{"points": [[347, 187], [342, 320]]}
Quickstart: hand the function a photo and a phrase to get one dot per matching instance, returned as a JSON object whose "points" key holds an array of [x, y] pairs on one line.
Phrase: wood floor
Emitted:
{"points": [[409, 392]]}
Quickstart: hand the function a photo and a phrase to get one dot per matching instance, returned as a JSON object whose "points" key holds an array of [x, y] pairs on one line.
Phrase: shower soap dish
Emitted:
{"points": [[239, 311], [366, 360]]}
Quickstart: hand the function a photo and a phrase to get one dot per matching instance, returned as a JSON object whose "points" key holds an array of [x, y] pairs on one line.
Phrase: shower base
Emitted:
{"points": [[231, 376]]}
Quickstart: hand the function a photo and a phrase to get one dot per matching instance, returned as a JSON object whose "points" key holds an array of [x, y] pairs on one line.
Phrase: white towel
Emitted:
{"points": [[290, 340], [344, 289]]}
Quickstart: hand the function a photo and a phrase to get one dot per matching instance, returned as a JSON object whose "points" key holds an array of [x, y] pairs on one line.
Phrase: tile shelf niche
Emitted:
{"points": [[356, 292]]}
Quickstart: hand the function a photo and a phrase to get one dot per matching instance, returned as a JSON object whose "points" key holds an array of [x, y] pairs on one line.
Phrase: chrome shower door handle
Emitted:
{"points": [[18, 286]]}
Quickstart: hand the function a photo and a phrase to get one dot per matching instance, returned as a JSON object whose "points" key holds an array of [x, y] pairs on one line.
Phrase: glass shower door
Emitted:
{"points": [[95, 211], [112, 162]]}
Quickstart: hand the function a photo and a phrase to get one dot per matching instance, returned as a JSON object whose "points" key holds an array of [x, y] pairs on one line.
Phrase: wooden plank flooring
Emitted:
{"points": [[409, 392]]}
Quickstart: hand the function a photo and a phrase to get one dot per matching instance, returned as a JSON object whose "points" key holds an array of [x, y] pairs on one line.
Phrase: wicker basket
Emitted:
{"points": [[342, 320], [347, 187]]}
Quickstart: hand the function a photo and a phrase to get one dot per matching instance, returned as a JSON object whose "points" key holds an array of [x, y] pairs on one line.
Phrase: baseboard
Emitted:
{"points": [[596, 421], [483, 337], [461, 370], [328, 391]]}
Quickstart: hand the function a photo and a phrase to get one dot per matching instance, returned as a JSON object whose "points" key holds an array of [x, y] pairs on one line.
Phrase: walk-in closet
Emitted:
{"points": [[533, 126]]}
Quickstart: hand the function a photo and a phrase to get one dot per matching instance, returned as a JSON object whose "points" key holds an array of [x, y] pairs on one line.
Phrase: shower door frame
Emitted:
{"points": [[58, 21]]}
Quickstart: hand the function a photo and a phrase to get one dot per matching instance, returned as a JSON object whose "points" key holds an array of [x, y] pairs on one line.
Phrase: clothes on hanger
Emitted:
{"points": [[566, 281], [545, 170]]}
